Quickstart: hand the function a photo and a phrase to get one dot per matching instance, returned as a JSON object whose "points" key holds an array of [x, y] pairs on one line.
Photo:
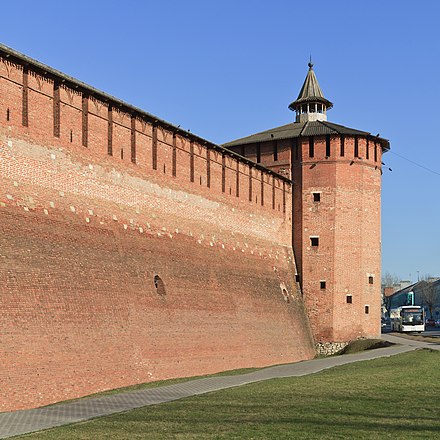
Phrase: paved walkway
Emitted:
{"points": [[22, 422]]}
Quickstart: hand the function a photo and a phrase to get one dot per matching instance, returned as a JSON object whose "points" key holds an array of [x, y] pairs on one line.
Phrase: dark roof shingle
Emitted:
{"points": [[300, 129]]}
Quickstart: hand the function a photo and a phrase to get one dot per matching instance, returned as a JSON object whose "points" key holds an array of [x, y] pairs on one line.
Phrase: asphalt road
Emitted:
{"points": [[432, 332]]}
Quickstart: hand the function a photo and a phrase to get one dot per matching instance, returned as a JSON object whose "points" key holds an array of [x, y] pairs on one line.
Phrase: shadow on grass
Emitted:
{"points": [[364, 344]]}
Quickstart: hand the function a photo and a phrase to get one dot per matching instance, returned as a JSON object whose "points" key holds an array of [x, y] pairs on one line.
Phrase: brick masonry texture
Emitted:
{"points": [[130, 252]]}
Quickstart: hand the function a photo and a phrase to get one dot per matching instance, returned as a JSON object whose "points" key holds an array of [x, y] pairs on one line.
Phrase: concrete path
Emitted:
{"points": [[22, 422]]}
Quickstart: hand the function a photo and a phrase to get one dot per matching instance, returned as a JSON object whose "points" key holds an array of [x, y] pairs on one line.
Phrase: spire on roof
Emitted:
{"points": [[311, 104]]}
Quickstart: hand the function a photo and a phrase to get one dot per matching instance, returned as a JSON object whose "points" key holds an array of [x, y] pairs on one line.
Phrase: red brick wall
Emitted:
{"points": [[83, 234]]}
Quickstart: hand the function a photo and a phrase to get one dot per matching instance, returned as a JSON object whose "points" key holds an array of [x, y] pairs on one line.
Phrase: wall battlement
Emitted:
{"points": [[52, 108]]}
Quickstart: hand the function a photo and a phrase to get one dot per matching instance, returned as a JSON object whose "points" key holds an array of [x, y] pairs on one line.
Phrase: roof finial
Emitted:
{"points": [[310, 62]]}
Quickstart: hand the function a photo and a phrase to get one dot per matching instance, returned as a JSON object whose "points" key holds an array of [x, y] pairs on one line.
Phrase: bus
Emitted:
{"points": [[408, 319]]}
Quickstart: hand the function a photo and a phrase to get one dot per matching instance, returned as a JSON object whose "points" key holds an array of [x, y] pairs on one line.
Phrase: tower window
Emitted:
{"points": [[327, 145], [356, 146], [342, 146], [314, 241], [367, 310], [311, 146], [322, 285], [295, 148], [370, 280], [316, 197], [349, 299]]}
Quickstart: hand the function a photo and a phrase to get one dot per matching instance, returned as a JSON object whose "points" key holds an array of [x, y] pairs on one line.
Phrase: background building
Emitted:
{"points": [[424, 293]]}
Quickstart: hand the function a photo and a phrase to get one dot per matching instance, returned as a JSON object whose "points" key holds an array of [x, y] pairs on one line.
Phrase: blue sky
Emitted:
{"points": [[227, 69]]}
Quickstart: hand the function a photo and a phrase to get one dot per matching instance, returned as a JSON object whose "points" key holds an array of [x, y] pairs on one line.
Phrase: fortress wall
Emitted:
{"points": [[84, 234]]}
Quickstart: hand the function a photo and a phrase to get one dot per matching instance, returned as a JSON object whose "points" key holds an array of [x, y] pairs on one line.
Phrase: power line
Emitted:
{"points": [[415, 163]]}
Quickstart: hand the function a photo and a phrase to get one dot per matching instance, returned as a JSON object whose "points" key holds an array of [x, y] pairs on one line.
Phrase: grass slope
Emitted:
{"points": [[394, 397]]}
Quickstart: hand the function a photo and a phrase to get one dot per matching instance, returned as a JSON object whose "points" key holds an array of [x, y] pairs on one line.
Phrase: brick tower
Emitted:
{"points": [[336, 174]]}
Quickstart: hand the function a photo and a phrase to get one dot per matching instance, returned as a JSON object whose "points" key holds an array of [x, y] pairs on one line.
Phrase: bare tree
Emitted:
{"points": [[428, 295], [388, 280]]}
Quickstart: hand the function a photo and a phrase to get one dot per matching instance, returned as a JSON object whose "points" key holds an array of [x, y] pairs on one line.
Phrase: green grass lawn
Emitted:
{"points": [[396, 397]]}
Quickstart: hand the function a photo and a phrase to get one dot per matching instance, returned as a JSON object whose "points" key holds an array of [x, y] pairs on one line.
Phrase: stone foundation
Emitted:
{"points": [[329, 348]]}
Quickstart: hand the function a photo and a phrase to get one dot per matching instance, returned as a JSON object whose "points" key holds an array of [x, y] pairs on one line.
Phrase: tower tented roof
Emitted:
{"points": [[310, 91], [302, 129]]}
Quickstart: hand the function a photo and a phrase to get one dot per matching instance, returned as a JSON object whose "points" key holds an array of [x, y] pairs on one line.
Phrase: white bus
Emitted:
{"points": [[408, 319]]}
